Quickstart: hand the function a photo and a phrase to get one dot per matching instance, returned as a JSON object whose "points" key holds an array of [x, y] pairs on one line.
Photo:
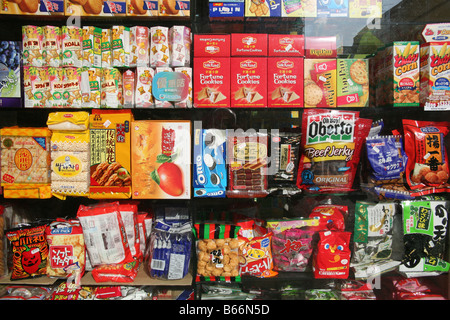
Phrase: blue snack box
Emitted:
{"points": [[210, 173]]}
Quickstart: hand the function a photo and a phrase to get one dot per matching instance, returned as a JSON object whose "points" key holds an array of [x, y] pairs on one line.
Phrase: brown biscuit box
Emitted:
{"points": [[352, 82], [95, 8], [142, 8], [32, 7]]}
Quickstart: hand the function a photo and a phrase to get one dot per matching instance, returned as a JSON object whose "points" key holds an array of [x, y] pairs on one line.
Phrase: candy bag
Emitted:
{"points": [[427, 167], [30, 251], [217, 252], [332, 141], [329, 216]]}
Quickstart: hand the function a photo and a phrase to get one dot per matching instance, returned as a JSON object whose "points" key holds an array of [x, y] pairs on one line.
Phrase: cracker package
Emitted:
{"points": [[142, 8], [248, 82], [128, 78], [159, 47], [37, 87], [139, 46], [95, 8], [161, 159], [143, 94], [70, 153], [33, 7], [247, 159], [92, 50], [25, 165], [32, 41], [172, 8], [51, 46], [320, 83], [66, 250], [110, 162], [120, 45], [217, 252], [111, 93], [187, 102], [352, 83], [72, 46]]}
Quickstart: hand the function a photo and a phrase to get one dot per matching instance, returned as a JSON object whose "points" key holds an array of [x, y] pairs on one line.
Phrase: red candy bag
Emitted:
{"points": [[331, 142], [332, 256], [427, 167], [330, 217]]}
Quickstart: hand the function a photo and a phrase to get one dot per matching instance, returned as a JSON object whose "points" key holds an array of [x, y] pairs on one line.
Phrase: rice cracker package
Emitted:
{"points": [[427, 169], [25, 165], [110, 162], [332, 142]]}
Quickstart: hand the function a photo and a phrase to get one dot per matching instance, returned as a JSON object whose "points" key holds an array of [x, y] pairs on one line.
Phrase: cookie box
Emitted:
{"points": [[143, 94], [227, 9], [248, 44], [161, 159], [33, 7], [248, 82], [57, 78], [142, 8], [352, 82], [209, 164], [91, 85], [286, 45], [128, 78], [188, 101], [92, 50], [139, 46], [111, 95], [320, 83], [106, 48], [285, 82], [159, 47], [95, 8], [174, 8], [365, 9], [180, 46], [261, 8], [120, 46], [211, 82], [303, 8], [320, 47], [36, 87], [212, 45], [10, 77]]}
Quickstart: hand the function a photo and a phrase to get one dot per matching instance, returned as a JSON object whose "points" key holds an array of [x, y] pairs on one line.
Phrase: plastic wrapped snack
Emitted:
{"points": [[217, 252]]}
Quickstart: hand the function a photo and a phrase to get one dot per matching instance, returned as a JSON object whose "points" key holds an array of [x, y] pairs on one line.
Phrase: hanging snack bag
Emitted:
{"points": [[292, 243], [29, 251], [427, 166], [67, 252], [425, 226], [217, 252], [332, 142], [332, 256]]}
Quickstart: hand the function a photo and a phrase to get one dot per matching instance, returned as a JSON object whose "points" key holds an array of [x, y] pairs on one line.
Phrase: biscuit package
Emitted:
{"points": [[72, 46], [285, 82], [173, 8], [180, 46], [212, 82], [248, 82], [159, 47], [32, 46], [142, 8], [217, 252], [33, 7], [106, 48], [187, 102], [37, 87], [66, 250], [162, 84], [57, 79], [247, 159], [51, 46], [92, 50], [143, 94], [320, 83], [111, 93], [128, 78], [427, 169], [331, 149], [25, 165], [249, 44], [352, 83], [286, 45], [161, 159], [120, 46], [91, 80], [70, 153], [95, 8], [72, 94], [110, 163], [139, 46]]}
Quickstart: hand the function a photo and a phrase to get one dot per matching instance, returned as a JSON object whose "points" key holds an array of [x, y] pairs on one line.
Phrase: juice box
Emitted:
{"points": [[161, 159], [286, 45], [92, 50], [249, 44], [110, 169], [352, 82], [285, 82], [248, 82], [320, 83], [435, 74], [212, 45], [51, 46], [72, 46], [211, 82], [32, 40]]}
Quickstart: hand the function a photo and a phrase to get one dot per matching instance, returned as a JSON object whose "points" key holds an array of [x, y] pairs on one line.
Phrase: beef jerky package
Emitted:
{"points": [[284, 156], [331, 142]]}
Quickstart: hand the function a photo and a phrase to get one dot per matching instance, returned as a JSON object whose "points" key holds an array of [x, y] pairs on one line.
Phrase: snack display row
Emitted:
{"points": [[118, 46], [119, 8]]}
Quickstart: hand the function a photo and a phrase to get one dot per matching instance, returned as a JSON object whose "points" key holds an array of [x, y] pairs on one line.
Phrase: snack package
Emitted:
{"points": [[415, 289], [331, 258], [188, 101], [164, 85], [352, 83], [37, 87], [217, 252], [169, 250], [159, 47], [68, 292], [180, 46], [51, 46], [375, 241], [142, 8], [66, 250], [320, 83], [125, 272], [72, 46], [292, 243], [72, 93], [70, 145], [332, 142], [356, 290], [139, 46], [29, 251], [329, 217], [91, 79], [111, 95], [3, 248], [172, 8], [285, 82], [143, 94], [106, 48], [92, 50], [255, 250], [32, 39], [110, 161], [57, 79], [425, 226], [128, 78], [387, 159], [247, 159], [120, 46], [128, 213], [427, 167], [25, 162]]}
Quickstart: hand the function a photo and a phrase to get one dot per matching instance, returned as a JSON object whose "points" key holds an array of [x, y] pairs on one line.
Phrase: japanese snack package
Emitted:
{"points": [[72, 94], [91, 79], [415, 289], [387, 159], [217, 252], [25, 165], [329, 217], [139, 47], [255, 250], [159, 47], [187, 102], [66, 250], [427, 167], [143, 94], [120, 46], [24, 292], [425, 226], [292, 243], [106, 243], [70, 153], [169, 250], [29, 251], [32, 39], [128, 213], [67, 292], [332, 142], [106, 48], [51, 46], [247, 158], [72, 46], [110, 160], [331, 258], [356, 290], [285, 151], [375, 240], [92, 50], [180, 46], [125, 272]]}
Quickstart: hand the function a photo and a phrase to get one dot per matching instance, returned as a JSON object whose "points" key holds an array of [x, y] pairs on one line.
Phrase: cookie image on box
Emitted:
{"points": [[359, 72], [313, 94]]}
